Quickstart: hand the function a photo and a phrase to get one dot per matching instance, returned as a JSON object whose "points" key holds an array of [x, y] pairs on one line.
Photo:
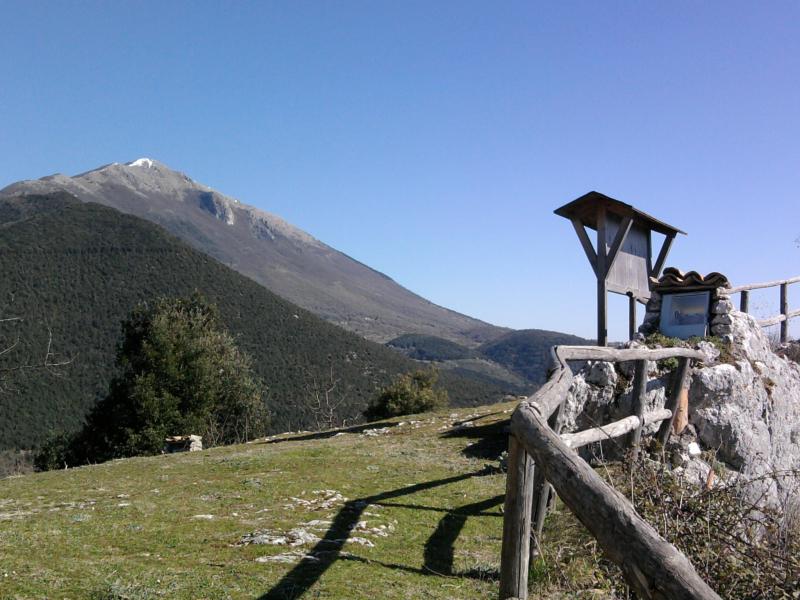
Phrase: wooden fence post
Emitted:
{"points": [[678, 383], [785, 312], [744, 301], [542, 490], [638, 396], [653, 567], [541, 496], [515, 555], [631, 316]]}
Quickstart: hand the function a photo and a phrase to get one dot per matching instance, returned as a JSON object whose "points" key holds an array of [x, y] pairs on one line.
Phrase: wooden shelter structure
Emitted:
{"points": [[623, 258]]}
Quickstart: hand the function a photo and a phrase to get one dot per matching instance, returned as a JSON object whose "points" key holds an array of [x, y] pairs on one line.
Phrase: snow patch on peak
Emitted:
{"points": [[142, 162]]}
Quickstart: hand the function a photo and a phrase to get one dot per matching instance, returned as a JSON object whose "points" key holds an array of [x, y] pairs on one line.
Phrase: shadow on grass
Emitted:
{"points": [[457, 511], [438, 548], [323, 435], [478, 418], [492, 439]]}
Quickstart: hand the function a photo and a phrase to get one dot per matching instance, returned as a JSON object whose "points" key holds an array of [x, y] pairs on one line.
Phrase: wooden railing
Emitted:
{"points": [[785, 314], [653, 567]]}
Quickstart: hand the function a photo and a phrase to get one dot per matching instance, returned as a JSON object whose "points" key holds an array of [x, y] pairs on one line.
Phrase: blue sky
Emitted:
{"points": [[432, 140]]}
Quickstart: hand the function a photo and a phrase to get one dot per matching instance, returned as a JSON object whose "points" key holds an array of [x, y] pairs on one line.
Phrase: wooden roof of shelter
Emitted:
{"points": [[585, 210]]}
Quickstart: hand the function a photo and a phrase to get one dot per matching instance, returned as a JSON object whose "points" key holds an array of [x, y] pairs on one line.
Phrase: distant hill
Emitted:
{"points": [[519, 358], [72, 271], [429, 347], [285, 259], [527, 352]]}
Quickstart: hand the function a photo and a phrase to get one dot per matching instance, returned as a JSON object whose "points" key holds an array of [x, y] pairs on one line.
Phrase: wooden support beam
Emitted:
{"points": [[602, 313], [639, 393], [542, 493], [678, 383], [602, 271], [662, 255], [619, 239], [586, 243], [785, 312], [631, 316], [539, 500], [744, 301], [515, 554]]}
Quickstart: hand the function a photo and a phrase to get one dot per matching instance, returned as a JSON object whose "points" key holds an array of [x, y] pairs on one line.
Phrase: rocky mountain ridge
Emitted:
{"points": [[266, 248]]}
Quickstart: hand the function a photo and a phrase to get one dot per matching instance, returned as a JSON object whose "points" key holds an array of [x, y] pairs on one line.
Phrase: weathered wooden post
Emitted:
{"points": [[785, 313], [515, 554], [744, 301], [678, 383], [631, 316], [622, 261], [639, 394], [542, 490]]}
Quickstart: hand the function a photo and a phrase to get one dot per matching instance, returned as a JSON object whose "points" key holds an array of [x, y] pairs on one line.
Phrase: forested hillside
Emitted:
{"points": [[527, 352], [521, 354], [72, 271]]}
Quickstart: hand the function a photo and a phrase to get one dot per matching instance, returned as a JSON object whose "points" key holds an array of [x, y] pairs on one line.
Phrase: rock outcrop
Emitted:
{"points": [[744, 407], [749, 411]]}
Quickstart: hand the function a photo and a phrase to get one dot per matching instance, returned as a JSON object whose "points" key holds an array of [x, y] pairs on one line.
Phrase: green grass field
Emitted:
{"points": [[417, 499]]}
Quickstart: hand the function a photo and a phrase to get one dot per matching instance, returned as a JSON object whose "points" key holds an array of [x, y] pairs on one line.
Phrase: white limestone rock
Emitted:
{"points": [[749, 412]]}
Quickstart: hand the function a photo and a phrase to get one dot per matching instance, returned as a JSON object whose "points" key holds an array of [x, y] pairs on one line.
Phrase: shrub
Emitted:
{"points": [[744, 549], [179, 372], [740, 546], [409, 393], [790, 350], [54, 452]]}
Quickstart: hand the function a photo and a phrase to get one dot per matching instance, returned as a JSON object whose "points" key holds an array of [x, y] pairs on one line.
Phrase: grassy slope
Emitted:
{"points": [[76, 270], [128, 528]]}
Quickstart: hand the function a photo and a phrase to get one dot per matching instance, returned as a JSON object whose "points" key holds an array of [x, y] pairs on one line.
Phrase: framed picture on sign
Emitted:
{"points": [[685, 315]]}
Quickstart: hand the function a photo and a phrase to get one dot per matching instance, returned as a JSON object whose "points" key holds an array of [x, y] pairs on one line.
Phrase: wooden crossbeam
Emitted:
{"points": [[662, 255], [619, 239], [586, 243]]}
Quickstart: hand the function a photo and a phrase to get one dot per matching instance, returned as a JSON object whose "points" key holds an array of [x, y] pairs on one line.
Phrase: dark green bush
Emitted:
{"points": [[53, 454], [179, 372], [408, 394]]}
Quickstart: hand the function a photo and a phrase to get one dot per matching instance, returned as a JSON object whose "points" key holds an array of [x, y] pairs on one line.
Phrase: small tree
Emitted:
{"points": [[409, 393], [179, 372], [323, 401]]}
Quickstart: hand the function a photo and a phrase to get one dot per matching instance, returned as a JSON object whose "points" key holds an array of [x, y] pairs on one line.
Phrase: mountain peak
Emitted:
{"points": [[266, 248], [141, 162]]}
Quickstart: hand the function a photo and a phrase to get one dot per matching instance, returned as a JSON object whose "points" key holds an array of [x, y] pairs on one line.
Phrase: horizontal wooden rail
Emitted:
{"points": [[766, 284], [779, 319], [786, 314], [548, 397], [613, 430], [653, 567], [623, 354]]}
